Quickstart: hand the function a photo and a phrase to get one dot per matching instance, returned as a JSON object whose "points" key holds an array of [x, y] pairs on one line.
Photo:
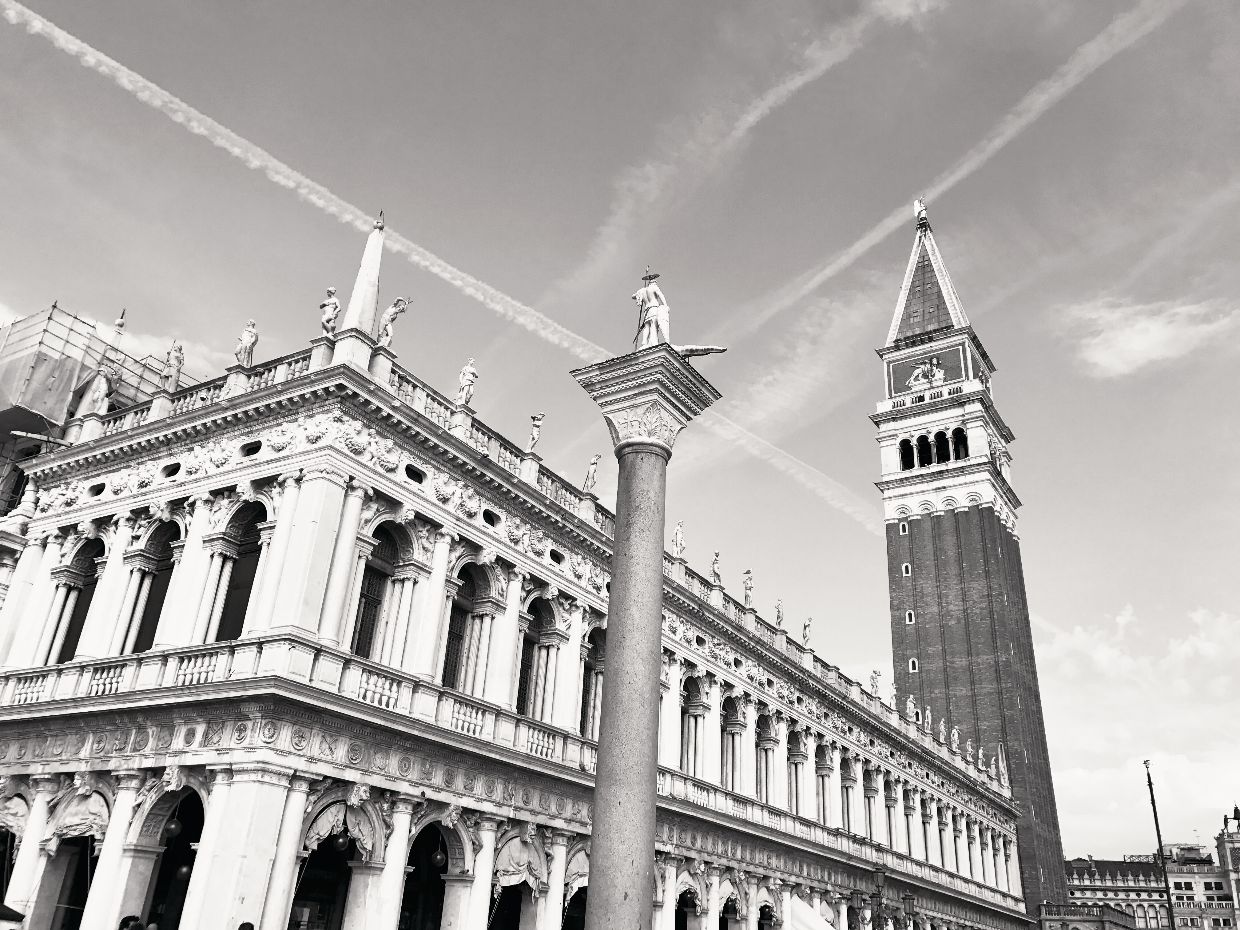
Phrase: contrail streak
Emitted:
{"points": [[259, 159], [644, 193], [1121, 33], [824, 487]]}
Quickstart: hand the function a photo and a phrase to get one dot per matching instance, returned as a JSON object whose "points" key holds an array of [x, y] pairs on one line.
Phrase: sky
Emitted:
{"points": [[532, 159]]}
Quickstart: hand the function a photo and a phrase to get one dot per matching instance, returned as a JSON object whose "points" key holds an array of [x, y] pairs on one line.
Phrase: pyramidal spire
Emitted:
{"points": [[363, 308], [928, 299]]}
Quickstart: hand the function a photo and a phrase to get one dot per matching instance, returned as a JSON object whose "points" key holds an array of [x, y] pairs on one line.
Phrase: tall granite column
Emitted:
{"points": [[647, 398]]}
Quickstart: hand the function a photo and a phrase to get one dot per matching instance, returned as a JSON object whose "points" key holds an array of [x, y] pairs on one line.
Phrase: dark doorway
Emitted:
{"points": [[506, 910], [179, 835], [79, 853], [575, 911], [318, 901], [421, 903]]}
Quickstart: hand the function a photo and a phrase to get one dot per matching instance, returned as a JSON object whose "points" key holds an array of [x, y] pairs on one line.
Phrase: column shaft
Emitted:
{"points": [[103, 901], [340, 572], [277, 556], [624, 817], [284, 867], [177, 617], [101, 618], [430, 617]]}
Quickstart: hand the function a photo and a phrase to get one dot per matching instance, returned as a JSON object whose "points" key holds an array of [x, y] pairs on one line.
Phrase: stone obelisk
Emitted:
{"points": [[647, 398]]}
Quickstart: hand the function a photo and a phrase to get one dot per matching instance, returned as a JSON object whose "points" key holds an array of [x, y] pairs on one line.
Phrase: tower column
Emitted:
{"points": [[646, 398]]}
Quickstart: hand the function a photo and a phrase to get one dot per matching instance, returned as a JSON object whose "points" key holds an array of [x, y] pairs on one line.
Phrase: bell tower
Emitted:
{"points": [[960, 631]]}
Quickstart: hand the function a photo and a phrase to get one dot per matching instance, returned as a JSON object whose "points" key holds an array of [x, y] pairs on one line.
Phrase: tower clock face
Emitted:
{"points": [[937, 367]]}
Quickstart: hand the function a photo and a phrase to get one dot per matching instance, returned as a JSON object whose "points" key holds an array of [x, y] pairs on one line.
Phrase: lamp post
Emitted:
{"points": [[910, 909], [647, 398]]}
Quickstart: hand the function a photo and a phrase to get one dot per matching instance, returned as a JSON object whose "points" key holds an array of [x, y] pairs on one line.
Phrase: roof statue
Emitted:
{"points": [[874, 677], [174, 361], [678, 540], [919, 211], [779, 613], [910, 708], [715, 577], [102, 386], [747, 584], [330, 311], [387, 322], [805, 628], [535, 432], [654, 324], [955, 739], [591, 474], [246, 343], [942, 730], [466, 381]]}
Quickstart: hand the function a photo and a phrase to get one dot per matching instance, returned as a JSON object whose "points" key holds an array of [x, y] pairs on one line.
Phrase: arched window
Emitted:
{"points": [[693, 707], [912, 665], [732, 723], [925, 454], [906, 570], [942, 453], [592, 683], [539, 652], [906, 454], [75, 589], [151, 572], [904, 528], [910, 617], [960, 444], [767, 740], [462, 610], [239, 555], [376, 583]]}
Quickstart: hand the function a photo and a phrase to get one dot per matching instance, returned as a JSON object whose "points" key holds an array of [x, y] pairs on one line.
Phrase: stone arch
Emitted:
{"points": [[549, 596], [731, 889], [86, 549], [489, 580], [159, 531], [520, 857], [362, 820], [161, 800], [765, 897], [455, 835], [577, 872], [693, 881], [241, 512], [84, 810]]}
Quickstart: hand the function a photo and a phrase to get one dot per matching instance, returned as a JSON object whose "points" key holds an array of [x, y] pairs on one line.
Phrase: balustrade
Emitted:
{"points": [[390, 690]]}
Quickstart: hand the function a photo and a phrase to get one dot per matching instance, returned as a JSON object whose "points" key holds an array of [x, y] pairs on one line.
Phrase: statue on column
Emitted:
{"points": [[654, 323], [747, 585], [330, 309], [678, 540], [535, 432], [174, 361], [102, 386], [466, 381], [591, 474], [245, 344], [387, 322]]}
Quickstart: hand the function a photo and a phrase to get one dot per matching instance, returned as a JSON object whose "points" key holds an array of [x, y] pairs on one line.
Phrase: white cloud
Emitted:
{"points": [[1118, 693], [1118, 338]]}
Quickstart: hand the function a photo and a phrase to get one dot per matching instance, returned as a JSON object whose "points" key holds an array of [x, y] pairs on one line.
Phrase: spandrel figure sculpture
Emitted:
{"points": [[654, 323], [591, 474], [387, 322], [330, 309], [246, 343], [466, 381], [174, 361]]}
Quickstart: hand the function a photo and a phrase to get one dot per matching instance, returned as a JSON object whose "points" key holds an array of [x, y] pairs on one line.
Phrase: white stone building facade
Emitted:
{"points": [[311, 646]]}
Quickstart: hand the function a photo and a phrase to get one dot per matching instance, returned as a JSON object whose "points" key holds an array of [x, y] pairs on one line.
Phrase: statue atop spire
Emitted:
{"points": [[654, 323], [919, 211], [362, 311]]}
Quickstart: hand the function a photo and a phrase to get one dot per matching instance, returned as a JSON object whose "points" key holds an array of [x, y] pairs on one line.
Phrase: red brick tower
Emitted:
{"points": [[960, 634]]}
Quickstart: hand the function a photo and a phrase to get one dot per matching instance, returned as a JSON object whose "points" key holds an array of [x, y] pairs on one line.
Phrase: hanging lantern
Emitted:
{"points": [[341, 842], [172, 828], [183, 873], [438, 859]]}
